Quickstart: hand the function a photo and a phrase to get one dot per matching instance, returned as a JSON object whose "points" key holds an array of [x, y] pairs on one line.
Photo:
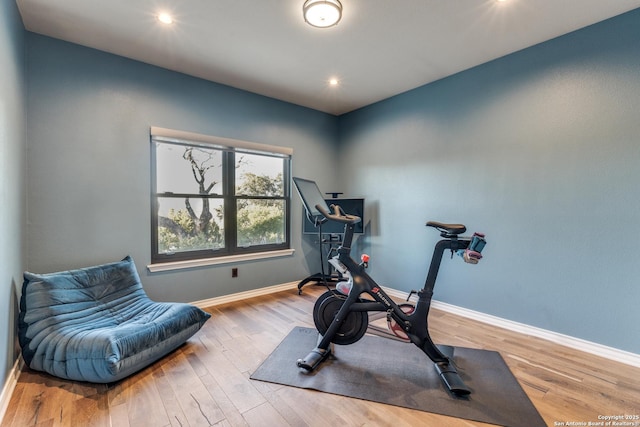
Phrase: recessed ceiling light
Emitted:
{"points": [[165, 18]]}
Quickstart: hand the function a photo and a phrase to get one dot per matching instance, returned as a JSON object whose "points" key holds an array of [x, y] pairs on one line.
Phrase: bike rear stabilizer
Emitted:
{"points": [[451, 378], [313, 359]]}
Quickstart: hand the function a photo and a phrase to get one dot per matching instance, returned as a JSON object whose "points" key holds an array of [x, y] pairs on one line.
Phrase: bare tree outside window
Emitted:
{"points": [[193, 213]]}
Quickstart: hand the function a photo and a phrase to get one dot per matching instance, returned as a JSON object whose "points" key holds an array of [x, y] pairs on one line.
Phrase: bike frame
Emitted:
{"points": [[414, 324]]}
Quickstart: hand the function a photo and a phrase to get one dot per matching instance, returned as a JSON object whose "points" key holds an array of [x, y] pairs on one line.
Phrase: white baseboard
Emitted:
{"points": [[9, 386], [621, 356], [244, 295]]}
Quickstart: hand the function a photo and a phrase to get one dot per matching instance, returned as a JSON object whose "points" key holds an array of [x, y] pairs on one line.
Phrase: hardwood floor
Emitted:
{"points": [[206, 381]]}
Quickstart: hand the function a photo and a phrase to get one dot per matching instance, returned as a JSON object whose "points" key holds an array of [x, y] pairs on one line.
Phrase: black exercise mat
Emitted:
{"points": [[397, 373]]}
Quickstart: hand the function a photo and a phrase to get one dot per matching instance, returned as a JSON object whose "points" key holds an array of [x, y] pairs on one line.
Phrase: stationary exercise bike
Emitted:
{"points": [[341, 315]]}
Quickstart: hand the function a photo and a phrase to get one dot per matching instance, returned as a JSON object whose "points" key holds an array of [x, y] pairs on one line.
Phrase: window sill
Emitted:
{"points": [[180, 265]]}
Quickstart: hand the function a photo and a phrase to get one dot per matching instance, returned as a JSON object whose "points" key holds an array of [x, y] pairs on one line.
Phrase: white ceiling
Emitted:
{"points": [[379, 49]]}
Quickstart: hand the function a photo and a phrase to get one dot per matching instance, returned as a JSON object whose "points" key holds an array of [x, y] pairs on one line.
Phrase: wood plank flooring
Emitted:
{"points": [[206, 381]]}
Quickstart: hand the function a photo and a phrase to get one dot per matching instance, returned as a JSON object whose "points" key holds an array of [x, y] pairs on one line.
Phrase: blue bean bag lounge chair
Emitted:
{"points": [[97, 324]]}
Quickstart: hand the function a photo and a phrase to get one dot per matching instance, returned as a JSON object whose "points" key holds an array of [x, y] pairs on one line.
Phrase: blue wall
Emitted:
{"points": [[89, 162], [12, 200], [539, 149]]}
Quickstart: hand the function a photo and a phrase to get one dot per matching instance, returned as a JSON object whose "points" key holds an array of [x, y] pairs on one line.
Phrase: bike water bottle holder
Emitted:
{"points": [[477, 242], [472, 254]]}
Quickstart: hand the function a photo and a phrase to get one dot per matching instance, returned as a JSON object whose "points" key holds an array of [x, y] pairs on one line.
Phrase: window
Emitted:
{"points": [[214, 197]]}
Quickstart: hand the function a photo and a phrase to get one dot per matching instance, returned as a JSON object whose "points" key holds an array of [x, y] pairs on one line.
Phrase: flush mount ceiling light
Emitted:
{"points": [[322, 13]]}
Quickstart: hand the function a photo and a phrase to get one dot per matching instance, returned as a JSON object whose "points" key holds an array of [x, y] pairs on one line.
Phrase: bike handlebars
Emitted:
{"points": [[338, 215]]}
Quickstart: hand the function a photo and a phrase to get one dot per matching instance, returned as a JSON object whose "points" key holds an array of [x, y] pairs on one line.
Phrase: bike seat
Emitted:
{"points": [[451, 229]]}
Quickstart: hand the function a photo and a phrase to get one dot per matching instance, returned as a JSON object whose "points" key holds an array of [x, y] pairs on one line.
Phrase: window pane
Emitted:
{"points": [[194, 182], [258, 175], [190, 170], [261, 222], [189, 224]]}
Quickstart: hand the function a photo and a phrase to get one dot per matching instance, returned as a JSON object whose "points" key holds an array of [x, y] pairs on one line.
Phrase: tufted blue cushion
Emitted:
{"points": [[97, 324]]}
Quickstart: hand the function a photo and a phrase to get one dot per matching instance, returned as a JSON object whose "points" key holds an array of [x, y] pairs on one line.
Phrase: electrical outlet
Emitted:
{"points": [[234, 272]]}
